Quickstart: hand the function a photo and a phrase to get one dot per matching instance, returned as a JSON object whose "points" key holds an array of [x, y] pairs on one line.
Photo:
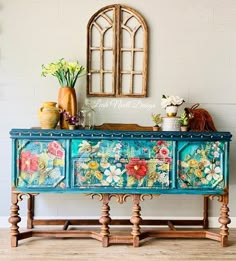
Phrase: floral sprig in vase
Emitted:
{"points": [[72, 120], [171, 104], [67, 73]]}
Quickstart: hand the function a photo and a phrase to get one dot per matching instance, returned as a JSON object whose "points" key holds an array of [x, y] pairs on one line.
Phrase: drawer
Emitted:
{"points": [[123, 164], [201, 165], [40, 164]]}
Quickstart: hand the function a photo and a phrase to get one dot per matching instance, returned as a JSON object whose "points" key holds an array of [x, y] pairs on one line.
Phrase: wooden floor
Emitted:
{"points": [[46, 249]]}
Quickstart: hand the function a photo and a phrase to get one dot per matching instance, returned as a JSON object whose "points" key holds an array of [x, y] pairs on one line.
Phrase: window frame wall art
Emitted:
{"points": [[117, 53]]}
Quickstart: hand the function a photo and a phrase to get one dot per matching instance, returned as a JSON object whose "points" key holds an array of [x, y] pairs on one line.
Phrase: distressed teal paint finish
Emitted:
{"points": [[40, 164], [91, 161], [201, 165], [122, 163]]}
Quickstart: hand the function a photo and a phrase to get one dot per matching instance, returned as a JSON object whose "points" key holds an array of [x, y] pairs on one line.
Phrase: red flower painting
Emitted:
{"points": [[55, 149], [161, 142], [29, 162], [137, 168]]}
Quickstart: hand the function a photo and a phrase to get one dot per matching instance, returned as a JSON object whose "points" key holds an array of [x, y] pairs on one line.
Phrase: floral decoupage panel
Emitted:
{"points": [[41, 164], [200, 165], [124, 164]]}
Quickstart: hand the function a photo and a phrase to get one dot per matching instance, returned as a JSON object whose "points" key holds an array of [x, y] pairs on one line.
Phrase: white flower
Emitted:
{"points": [[171, 100], [117, 147], [184, 164], [176, 100], [165, 102], [163, 178], [105, 164], [213, 173], [84, 166], [112, 174]]}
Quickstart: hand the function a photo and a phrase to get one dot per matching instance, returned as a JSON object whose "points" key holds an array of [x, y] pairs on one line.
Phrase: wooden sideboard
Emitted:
{"points": [[121, 164]]}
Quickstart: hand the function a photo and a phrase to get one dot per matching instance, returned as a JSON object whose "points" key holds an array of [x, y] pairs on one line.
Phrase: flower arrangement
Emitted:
{"points": [[171, 101], [71, 119], [67, 73]]}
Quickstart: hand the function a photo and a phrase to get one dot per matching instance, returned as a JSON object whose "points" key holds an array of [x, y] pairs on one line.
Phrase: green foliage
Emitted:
{"points": [[156, 118], [184, 119]]}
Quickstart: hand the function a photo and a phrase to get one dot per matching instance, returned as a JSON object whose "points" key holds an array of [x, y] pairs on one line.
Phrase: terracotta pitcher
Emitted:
{"points": [[49, 115]]}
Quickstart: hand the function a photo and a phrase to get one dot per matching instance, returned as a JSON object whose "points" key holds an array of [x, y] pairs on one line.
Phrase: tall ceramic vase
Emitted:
{"points": [[67, 102]]}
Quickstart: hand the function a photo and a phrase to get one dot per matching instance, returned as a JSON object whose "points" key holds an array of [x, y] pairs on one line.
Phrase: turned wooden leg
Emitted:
{"points": [[224, 220], [14, 219], [30, 211], [205, 212], [135, 220], [105, 220]]}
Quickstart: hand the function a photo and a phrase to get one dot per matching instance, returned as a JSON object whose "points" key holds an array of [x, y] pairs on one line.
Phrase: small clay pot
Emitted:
{"points": [[184, 128], [71, 127], [156, 128]]}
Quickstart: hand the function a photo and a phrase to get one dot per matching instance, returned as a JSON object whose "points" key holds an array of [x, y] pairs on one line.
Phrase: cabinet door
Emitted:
{"points": [[40, 164], [121, 163], [201, 165]]}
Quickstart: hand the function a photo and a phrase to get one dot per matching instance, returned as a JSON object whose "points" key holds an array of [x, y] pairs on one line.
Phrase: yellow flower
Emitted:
{"points": [[153, 176], [93, 165], [98, 175], [88, 174], [193, 163], [198, 173], [67, 73], [165, 167]]}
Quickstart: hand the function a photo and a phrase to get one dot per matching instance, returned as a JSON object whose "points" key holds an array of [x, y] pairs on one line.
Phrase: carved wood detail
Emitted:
{"points": [[136, 219], [218, 197], [105, 220], [14, 219], [224, 220], [120, 198]]}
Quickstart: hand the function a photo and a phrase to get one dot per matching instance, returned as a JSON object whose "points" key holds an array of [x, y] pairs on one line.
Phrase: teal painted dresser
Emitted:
{"points": [[120, 164]]}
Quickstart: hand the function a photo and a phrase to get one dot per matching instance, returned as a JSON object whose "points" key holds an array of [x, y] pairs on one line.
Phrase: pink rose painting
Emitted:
{"points": [[55, 149]]}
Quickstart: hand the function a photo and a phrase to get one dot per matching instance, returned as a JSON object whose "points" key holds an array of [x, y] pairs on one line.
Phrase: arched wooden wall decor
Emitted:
{"points": [[117, 53]]}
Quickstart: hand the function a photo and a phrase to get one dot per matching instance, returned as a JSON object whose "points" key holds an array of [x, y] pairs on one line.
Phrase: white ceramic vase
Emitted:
{"points": [[171, 111]]}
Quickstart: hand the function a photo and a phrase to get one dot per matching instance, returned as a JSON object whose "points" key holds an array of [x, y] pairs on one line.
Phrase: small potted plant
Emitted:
{"points": [[184, 121], [72, 120], [157, 120]]}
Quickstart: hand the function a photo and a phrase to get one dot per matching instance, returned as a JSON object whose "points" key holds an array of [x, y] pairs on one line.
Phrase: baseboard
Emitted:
{"points": [[213, 221]]}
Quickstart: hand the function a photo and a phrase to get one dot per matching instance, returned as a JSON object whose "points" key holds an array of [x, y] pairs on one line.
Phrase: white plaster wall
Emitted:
{"points": [[192, 54]]}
